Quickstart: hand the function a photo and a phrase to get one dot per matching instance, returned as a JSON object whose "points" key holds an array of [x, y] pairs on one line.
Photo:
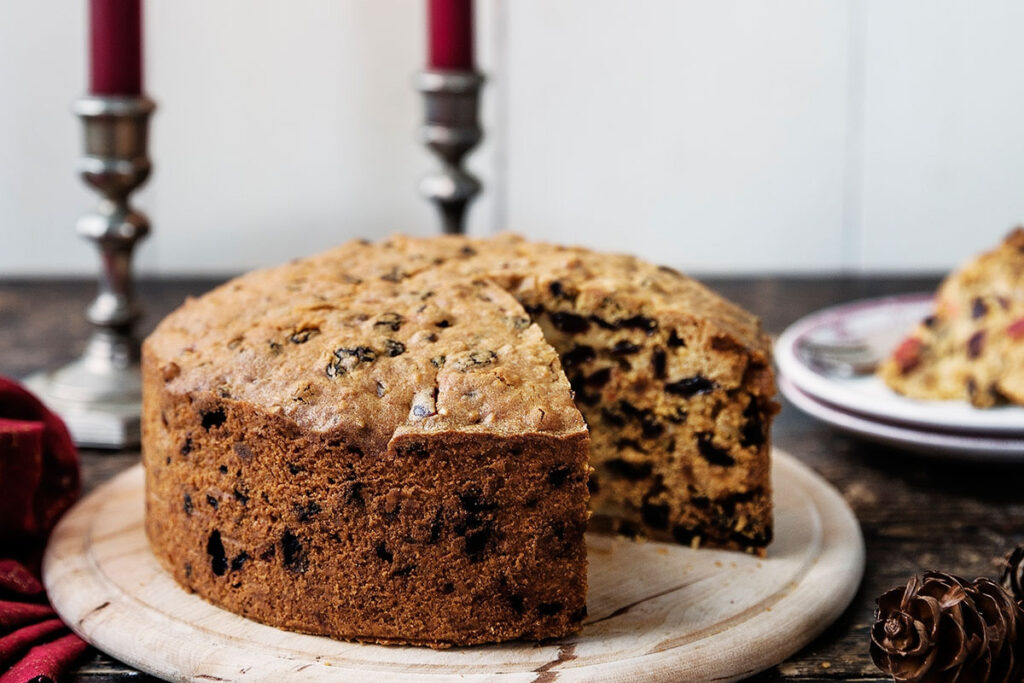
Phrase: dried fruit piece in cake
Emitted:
{"points": [[972, 347]]}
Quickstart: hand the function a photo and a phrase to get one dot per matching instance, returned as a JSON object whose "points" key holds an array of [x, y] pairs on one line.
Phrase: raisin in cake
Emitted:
{"points": [[381, 443], [972, 347]]}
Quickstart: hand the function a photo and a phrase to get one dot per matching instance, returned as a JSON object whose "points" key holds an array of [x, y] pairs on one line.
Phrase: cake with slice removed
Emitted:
{"points": [[381, 443]]}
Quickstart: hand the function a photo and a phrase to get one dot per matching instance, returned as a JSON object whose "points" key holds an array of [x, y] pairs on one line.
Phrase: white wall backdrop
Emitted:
{"points": [[737, 136]]}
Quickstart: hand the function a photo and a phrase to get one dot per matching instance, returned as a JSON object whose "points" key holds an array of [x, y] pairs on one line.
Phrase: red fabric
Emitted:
{"points": [[16, 578], [20, 613], [21, 442], [58, 479], [18, 641], [47, 662], [39, 480]]}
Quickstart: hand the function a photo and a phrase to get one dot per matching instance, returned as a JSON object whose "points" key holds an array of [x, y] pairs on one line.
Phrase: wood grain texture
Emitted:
{"points": [[916, 513], [657, 611]]}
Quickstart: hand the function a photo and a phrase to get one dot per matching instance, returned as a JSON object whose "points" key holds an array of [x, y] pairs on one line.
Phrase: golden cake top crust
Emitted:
{"points": [[420, 334], [522, 267]]}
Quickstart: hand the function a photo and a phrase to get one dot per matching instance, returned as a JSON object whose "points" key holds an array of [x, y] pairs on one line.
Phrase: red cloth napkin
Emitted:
{"points": [[39, 480]]}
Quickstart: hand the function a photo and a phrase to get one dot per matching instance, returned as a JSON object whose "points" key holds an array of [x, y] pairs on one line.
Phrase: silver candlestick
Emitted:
{"points": [[450, 130], [99, 394]]}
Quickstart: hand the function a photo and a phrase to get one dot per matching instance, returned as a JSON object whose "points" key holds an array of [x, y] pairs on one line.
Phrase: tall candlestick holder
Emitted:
{"points": [[99, 394], [450, 130]]}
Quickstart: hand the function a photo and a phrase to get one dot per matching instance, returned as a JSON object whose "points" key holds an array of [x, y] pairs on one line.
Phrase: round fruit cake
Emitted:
{"points": [[403, 442]]}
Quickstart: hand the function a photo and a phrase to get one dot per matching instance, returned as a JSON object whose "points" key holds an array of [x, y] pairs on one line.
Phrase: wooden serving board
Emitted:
{"points": [[657, 611]]}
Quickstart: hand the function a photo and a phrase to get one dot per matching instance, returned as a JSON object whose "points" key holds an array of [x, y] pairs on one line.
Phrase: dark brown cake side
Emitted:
{"points": [[305, 533]]}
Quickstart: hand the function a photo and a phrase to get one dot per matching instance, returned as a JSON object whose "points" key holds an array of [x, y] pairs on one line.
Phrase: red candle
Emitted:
{"points": [[115, 46], [451, 34]]}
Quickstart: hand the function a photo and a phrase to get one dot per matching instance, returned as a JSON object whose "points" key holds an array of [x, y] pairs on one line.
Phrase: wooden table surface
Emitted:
{"points": [[915, 513]]}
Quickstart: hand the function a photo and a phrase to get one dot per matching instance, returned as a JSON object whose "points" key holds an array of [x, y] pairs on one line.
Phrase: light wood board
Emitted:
{"points": [[657, 611]]}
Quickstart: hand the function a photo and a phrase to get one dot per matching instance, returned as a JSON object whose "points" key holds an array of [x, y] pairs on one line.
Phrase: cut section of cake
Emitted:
{"points": [[972, 347]]}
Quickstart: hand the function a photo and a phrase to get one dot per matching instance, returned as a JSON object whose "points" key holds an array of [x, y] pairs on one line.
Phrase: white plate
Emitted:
{"points": [[889, 318], [990, 449]]}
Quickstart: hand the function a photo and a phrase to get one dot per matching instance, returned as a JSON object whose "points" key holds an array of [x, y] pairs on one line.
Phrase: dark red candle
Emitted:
{"points": [[115, 47], [450, 34]]}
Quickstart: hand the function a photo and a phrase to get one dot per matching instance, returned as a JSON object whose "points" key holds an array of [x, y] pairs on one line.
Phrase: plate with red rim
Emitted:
{"points": [[985, 448], [886, 320]]}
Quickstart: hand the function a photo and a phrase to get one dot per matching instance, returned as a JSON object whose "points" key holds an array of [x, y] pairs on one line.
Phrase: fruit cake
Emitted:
{"points": [[386, 442], [972, 346]]}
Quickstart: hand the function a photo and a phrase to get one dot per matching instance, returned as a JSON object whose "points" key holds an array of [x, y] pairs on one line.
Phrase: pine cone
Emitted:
{"points": [[1002, 616], [942, 629], [1013, 573]]}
